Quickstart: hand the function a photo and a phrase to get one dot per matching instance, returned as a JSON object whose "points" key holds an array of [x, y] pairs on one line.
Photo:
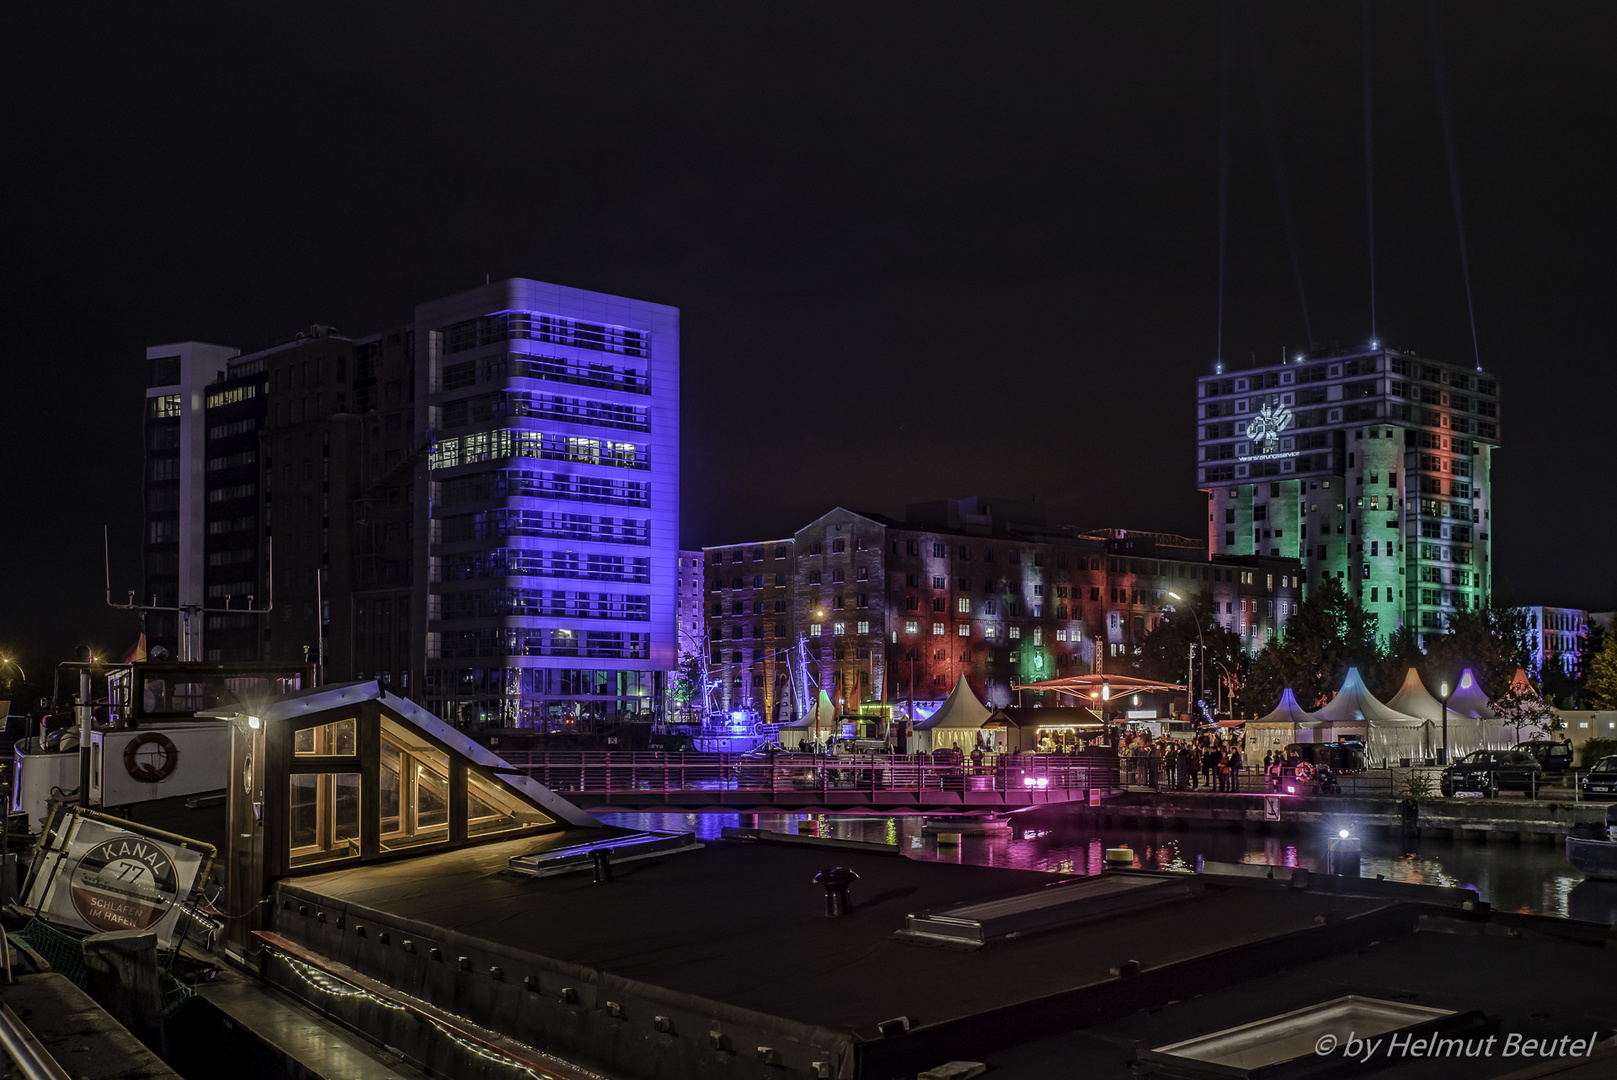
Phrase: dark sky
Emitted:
{"points": [[921, 251]]}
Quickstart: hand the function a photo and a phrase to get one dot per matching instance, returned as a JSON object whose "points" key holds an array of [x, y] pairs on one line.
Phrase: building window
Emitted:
{"points": [[911, 626], [937, 629], [988, 631], [839, 628], [963, 605], [864, 627], [1015, 633], [964, 630], [814, 629], [838, 546]]}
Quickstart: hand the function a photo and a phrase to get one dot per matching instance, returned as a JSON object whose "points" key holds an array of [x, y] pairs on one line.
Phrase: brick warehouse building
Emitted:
{"points": [[878, 610]]}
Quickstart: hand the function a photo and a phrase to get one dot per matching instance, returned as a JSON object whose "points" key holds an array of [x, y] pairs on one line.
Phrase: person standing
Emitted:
{"points": [[1195, 763], [1235, 767]]}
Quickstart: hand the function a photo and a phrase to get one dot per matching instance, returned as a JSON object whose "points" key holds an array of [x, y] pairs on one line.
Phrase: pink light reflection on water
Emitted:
{"points": [[1535, 878]]}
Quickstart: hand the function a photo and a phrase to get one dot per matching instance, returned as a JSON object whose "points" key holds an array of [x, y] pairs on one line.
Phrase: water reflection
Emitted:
{"points": [[1529, 879]]}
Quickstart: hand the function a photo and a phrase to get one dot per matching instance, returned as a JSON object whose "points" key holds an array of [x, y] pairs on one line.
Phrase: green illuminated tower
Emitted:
{"points": [[1369, 465]]}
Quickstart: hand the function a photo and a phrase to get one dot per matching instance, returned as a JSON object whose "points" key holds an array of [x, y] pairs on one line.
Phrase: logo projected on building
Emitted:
{"points": [[1264, 429]]}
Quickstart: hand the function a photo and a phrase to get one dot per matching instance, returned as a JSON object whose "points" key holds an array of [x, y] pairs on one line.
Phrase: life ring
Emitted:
{"points": [[144, 771]]}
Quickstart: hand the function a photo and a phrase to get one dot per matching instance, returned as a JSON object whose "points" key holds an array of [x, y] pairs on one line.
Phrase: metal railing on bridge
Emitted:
{"points": [[605, 771]]}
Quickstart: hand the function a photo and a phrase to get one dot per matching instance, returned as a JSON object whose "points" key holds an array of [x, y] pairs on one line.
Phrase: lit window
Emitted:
{"points": [[937, 628], [963, 605], [1038, 635], [864, 627], [988, 631], [814, 630], [323, 817], [1061, 635], [1015, 633], [839, 628], [912, 627], [964, 630]]}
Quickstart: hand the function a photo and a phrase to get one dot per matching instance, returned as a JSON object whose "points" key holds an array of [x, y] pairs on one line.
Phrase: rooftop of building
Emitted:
{"points": [[1292, 358], [738, 931]]}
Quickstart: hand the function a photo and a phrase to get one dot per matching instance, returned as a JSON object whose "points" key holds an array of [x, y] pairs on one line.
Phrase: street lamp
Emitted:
{"points": [[4, 660], [1105, 696], [1443, 694], [1200, 638]]}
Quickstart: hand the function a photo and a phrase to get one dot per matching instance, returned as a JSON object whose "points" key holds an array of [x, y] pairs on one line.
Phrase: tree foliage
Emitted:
{"points": [[1164, 652], [1529, 714], [1492, 642], [688, 678], [1600, 679], [1329, 633]]}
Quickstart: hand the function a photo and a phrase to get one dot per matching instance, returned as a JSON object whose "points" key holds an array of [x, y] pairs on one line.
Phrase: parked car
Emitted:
{"points": [[1493, 771], [1554, 757], [1602, 778]]}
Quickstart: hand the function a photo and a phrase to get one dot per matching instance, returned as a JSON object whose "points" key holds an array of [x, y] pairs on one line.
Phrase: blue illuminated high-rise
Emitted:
{"points": [[551, 504]]}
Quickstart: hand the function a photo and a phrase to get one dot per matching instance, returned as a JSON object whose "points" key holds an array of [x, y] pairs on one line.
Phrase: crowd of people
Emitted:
{"points": [[1209, 761]]}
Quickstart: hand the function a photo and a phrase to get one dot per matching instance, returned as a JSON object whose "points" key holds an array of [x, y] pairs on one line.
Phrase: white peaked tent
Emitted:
{"points": [[1413, 699], [956, 723], [1391, 736], [1289, 723], [1466, 732], [816, 726], [1469, 699], [1471, 725], [1472, 702]]}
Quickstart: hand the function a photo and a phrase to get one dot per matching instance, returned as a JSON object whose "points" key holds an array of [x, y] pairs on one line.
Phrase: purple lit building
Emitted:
{"points": [[550, 506]]}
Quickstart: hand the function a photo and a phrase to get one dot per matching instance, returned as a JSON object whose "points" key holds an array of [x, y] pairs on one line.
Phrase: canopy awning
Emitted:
{"points": [[1021, 717], [1085, 686]]}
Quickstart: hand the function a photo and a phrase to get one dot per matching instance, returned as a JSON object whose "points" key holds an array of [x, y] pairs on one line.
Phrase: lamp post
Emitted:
{"points": [[1200, 638], [1105, 697], [1443, 693]]}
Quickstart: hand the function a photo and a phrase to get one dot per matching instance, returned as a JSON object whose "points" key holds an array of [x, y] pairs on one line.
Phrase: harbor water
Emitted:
{"points": [[1532, 879]]}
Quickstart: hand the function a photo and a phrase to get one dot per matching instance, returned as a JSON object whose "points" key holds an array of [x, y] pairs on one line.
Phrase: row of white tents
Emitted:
{"points": [[957, 722], [1408, 727]]}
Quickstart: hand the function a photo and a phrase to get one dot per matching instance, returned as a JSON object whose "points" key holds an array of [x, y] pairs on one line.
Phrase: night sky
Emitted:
{"points": [[921, 251]]}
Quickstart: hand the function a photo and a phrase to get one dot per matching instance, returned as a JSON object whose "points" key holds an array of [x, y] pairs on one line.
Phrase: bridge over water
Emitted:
{"points": [[812, 783]]}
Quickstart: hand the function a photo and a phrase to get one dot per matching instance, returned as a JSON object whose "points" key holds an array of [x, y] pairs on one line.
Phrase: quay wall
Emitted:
{"points": [[1480, 820]]}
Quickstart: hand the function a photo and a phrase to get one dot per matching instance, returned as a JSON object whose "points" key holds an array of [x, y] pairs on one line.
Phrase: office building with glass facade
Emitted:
{"points": [[550, 504]]}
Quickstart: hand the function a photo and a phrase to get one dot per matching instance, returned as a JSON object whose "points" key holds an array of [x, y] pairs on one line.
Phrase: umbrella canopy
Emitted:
{"points": [[1413, 699], [1469, 700], [961, 710]]}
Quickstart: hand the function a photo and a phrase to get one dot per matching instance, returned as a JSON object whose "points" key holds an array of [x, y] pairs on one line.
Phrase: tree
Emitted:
{"points": [[1164, 652], [687, 679], [1492, 642], [1402, 653], [1329, 633], [1600, 681], [1526, 711]]}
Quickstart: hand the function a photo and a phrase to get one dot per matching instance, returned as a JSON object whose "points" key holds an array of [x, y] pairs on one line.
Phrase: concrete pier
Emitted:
{"points": [[1481, 820]]}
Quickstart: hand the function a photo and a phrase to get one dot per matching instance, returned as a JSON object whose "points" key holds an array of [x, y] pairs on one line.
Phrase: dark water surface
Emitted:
{"points": [[1533, 879]]}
